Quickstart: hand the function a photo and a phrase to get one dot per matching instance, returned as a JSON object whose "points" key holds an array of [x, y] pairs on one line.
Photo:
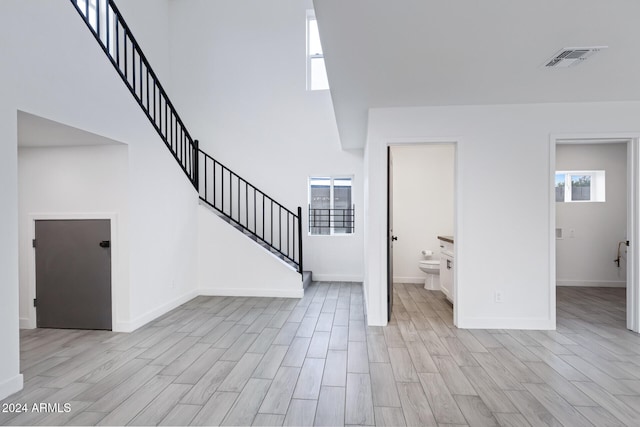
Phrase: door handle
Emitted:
{"points": [[105, 244], [394, 238], [448, 264]]}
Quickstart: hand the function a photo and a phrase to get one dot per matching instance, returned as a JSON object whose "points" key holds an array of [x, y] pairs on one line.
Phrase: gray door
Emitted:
{"points": [[73, 274]]}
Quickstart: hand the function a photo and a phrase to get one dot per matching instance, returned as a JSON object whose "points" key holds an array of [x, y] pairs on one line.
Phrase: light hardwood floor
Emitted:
{"points": [[272, 361]]}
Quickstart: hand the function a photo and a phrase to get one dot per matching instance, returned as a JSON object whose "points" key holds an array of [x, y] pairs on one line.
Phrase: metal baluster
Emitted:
{"points": [[222, 187], [300, 240], [280, 228], [108, 28], [246, 204], [214, 183], [97, 18]]}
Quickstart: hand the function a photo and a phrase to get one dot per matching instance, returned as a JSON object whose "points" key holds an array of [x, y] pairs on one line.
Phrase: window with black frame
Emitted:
{"points": [[331, 209]]}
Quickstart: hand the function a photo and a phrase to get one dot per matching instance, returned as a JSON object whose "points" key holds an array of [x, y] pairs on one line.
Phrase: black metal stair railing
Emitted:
{"points": [[251, 210], [270, 224]]}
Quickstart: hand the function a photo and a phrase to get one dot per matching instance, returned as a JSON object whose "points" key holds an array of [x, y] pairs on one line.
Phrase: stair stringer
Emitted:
{"points": [[230, 263]]}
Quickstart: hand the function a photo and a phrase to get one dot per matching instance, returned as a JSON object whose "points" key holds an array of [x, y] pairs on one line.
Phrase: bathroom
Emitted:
{"points": [[423, 209]]}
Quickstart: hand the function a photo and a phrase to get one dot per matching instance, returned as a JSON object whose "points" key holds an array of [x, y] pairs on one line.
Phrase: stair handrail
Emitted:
{"points": [[170, 126], [175, 136]]}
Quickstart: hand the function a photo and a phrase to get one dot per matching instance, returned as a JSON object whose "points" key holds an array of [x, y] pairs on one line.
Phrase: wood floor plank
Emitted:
{"points": [[358, 359], [208, 383], [247, 404], [335, 369], [475, 411], [444, 407], [268, 420], [359, 400], [535, 413], [279, 395], [301, 413], [383, 385], [297, 352], [415, 406], [109, 401], [153, 413], [270, 363], [215, 409], [319, 345], [180, 415], [402, 365], [331, 407], [456, 381], [557, 406], [392, 417], [310, 379], [132, 406], [239, 376]]}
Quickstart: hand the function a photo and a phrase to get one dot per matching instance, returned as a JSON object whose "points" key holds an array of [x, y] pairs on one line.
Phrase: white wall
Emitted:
{"points": [[423, 190], [504, 237], [587, 258], [240, 76], [10, 377], [229, 263], [60, 73], [74, 182]]}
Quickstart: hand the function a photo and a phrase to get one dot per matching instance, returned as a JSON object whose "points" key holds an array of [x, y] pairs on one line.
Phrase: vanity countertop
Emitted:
{"points": [[446, 239]]}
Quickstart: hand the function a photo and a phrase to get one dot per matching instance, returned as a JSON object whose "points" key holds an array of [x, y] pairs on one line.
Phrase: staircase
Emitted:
{"points": [[234, 199]]}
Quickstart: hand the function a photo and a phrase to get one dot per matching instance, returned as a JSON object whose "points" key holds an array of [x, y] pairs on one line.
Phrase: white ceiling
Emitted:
{"points": [[383, 53], [36, 131]]}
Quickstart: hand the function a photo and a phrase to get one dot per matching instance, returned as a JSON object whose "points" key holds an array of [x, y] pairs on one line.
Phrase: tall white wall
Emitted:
{"points": [[504, 237], [10, 377], [239, 72], [73, 183], [423, 190], [60, 73], [587, 258]]}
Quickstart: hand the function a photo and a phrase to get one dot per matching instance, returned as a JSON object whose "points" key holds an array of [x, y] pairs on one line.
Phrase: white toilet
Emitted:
{"points": [[432, 268]]}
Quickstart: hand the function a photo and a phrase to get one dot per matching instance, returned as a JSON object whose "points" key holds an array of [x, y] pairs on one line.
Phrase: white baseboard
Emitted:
{"points": [[25, 323], [336, 278], [256, 292], [153, 314], [506, 323], [593, 283], [10, 386], [399, 279]]}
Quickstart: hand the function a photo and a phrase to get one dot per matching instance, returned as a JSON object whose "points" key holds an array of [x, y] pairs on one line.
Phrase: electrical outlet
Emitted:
{"points": [[498, 297]]}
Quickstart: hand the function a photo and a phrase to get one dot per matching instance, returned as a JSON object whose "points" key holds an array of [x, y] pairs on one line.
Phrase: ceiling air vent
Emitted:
{"points": [[571, 56]]}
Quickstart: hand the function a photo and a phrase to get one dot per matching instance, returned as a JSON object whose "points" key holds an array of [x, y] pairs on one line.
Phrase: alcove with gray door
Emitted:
{"points": [[73, 273]]}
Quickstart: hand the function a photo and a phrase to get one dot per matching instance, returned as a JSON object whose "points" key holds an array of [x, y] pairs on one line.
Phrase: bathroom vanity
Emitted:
{"points": [[446, 266]]}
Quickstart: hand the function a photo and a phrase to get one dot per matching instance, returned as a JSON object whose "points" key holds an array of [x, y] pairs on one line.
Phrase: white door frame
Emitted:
{"points": [[633, 221], [399, 142]]}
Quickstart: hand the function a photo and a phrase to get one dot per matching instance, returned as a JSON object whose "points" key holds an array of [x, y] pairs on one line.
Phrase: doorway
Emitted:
{"points": [[73, 274], [420, 208], [595, 221]]}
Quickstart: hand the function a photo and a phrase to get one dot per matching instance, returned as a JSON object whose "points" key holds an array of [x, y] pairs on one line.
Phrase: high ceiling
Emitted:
{"points": [[391, 53]]}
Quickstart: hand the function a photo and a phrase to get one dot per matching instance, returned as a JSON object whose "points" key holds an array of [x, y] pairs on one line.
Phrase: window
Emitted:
{"points": [[316, 72], [331, 210], [580, 186]]}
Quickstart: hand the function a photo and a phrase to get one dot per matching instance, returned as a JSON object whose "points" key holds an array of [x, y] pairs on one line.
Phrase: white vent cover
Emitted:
{"points": [[571, 56]]}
